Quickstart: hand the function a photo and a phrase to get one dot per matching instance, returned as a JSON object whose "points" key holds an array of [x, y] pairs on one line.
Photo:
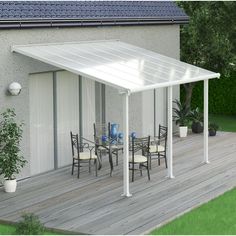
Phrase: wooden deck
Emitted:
{"points": [[94, 205]]}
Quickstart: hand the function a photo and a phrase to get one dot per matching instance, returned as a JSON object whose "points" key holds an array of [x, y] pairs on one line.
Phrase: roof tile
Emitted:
{"points": [[89, 9]]}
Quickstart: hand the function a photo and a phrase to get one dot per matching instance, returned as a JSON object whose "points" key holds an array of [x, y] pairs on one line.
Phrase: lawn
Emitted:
{"points": [[215, 217], [6, 229], [226, 123]]}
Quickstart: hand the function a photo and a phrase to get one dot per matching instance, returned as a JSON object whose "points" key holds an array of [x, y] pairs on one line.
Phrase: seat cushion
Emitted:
{"points": [[101, 148], [138, 159], [86, 156], [154, 148]]}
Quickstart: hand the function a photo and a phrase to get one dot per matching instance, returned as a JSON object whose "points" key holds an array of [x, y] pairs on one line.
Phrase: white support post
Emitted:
{"points": [[126, 192], [206, 122], [170, 134]]}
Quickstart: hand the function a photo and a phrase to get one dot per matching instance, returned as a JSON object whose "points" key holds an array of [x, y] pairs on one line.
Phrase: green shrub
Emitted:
{"points": [[30, 225], [222, 95], [11, 161]]}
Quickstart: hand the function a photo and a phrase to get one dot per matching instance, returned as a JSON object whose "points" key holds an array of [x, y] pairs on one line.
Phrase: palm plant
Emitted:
{"points": [[196, 117], [182, 114]]}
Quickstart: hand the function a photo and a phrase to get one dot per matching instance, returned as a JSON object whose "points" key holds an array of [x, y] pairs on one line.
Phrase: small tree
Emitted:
{"points": [[11, 162], [208, 41]]}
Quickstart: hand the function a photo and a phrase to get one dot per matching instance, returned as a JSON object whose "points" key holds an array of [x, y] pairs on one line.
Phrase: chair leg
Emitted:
{"points": [[165, 161], [159, 159], [96, 167], [78, 169], [140, 169], [148, 172], [73, 163], [133, 172], [117, 157], [89, 166]]}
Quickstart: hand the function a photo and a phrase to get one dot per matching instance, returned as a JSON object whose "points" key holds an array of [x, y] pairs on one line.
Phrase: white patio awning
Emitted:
{"points": [[118, 64], [130, 69]]}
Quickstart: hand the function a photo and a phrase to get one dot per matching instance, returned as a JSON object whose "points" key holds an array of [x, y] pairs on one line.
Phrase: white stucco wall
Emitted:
{"points": [[15, 67]]}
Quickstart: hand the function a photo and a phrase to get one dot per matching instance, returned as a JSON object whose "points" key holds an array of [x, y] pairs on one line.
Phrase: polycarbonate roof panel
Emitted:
{"points": [[117, 64]]}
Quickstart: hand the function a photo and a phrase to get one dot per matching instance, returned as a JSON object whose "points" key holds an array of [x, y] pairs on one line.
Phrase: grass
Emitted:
{"points": [[215, 217], [9, 229], [226, 123]]}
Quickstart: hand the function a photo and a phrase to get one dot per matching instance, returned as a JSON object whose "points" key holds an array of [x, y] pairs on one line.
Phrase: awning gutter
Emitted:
{"points": [[48, 23], [173, 83]]}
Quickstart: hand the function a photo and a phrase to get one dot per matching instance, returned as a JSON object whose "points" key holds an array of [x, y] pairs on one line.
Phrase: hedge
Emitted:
{"points": [[222, 95]]}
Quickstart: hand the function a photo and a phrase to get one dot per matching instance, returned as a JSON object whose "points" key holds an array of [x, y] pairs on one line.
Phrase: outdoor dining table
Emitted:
{"points": [[110, 145]]}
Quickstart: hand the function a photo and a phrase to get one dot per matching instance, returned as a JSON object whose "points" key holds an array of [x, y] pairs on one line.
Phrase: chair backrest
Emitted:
{"points": [[162, 134], [140, 144], [75, 144]]}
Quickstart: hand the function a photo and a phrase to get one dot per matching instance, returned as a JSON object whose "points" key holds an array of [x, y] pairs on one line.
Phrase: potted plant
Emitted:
{"points": [[212, 129], [197, 120], [181, 118], [11, 162]]}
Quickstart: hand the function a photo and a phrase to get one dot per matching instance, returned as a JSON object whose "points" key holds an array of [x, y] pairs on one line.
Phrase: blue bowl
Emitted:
{"points": [[120, 135]]}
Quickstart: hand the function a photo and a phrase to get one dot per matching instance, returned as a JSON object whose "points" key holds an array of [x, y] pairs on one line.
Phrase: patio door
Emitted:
{"points": [[60, 102], [67, 108], [88, 108], [41, 123]]}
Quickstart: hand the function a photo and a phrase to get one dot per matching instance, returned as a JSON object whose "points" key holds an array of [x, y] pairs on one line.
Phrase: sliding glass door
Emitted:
{"points": [[67, 114]]}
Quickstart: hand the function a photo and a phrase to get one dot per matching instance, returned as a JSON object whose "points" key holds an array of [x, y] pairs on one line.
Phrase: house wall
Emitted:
{"points": [[15, 67]]}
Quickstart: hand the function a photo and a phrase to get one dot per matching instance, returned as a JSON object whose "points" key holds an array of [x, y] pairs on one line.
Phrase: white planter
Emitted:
{"points": [[183, 131], [10, 186]]}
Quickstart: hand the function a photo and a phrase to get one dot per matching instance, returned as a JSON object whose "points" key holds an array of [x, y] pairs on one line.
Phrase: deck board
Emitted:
{"points": [[94, 205]]}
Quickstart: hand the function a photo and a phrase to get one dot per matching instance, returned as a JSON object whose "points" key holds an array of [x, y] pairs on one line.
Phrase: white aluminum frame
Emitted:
{"points": [[130, 69]]}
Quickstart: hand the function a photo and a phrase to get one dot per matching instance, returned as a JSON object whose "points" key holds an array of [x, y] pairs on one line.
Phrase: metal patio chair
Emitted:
{"points": [[139, 155], [158, 148], [79, 155]]}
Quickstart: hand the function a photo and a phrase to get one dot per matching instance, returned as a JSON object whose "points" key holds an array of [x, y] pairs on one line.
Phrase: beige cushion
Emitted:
{"points": [[86, 156], [154, 148], [101, 148], [138, 159]]}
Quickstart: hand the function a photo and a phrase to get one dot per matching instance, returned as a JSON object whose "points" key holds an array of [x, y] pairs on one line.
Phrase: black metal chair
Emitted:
{"points": [[139, 155], [79, 156], [158, 148]]}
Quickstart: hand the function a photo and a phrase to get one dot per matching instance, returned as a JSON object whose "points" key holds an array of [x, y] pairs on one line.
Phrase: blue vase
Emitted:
{"points": [[114, 130], [133, 135], [104, 138]]}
